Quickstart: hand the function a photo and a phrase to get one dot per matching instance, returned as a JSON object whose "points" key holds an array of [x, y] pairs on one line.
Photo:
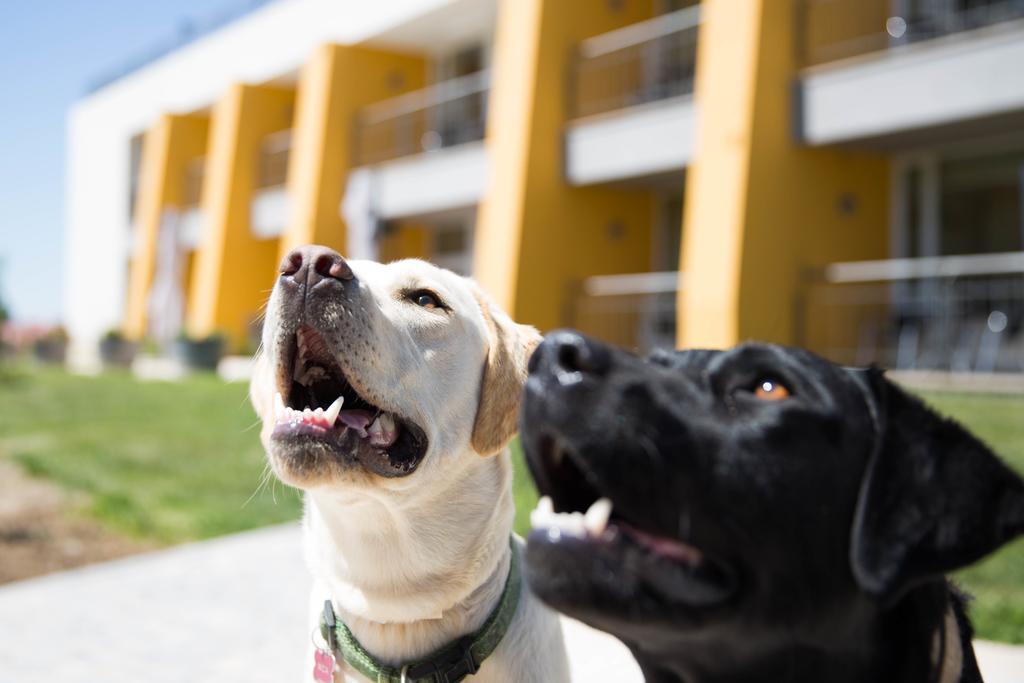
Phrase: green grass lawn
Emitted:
{"points": [[165, 461], [181, 461], [997, 583]]}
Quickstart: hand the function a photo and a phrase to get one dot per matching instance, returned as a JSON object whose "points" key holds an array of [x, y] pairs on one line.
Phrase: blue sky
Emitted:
{"points": [[49, 51]]}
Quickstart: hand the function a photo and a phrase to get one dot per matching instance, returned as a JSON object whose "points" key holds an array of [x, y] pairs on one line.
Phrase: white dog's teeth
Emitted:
{"points": [[279, 407], [574, 524], [385, 422], [568, 524], [546, 505], [541, 515], [331, 414], [382, 430], [319, 413], [596, 519]]}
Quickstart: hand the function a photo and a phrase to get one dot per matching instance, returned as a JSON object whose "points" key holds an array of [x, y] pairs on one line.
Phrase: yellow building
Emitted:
{"points": [[841, 174]]}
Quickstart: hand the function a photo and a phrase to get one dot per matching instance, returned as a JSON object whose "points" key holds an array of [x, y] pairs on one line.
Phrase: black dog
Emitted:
{"points": [[774, 517]]}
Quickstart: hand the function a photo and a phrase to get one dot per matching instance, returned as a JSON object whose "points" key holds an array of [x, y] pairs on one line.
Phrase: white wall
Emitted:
{"points": [[272, 42], [430, 182], [631, 143]]}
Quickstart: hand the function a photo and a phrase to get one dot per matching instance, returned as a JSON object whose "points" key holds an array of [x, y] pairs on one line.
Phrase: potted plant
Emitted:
{"points": [[200, 353], [116, 350], [52, 347], [6, 348]]}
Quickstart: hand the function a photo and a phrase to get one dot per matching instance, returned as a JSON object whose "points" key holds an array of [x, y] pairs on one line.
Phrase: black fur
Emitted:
{"points": [[798, 540]]}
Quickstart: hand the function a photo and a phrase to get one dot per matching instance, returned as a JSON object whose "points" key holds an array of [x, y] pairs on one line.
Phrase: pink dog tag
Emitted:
{"points": [[323, 667]]}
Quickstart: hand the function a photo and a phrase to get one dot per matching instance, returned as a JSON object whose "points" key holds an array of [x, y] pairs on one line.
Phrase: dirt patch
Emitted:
{"points": [[39, 532]]}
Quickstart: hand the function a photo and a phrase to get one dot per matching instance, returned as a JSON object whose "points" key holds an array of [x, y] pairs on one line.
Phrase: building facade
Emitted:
{"points": [[842, 174]]}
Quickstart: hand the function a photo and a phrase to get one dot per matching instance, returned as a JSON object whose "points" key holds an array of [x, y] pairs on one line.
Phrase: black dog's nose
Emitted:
{"points": [[312, 263], [565, 351]]}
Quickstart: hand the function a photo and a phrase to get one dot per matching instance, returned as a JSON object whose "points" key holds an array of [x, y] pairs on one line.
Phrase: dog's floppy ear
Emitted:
{"points": [[933, 498], [501, 387]]}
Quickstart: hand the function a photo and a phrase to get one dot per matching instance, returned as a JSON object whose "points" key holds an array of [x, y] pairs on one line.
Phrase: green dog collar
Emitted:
{"points": [[451, 663]]}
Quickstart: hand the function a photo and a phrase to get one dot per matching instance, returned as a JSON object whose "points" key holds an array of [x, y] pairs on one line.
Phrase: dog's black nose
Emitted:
{"points": [[566, 351], [312, 263]]}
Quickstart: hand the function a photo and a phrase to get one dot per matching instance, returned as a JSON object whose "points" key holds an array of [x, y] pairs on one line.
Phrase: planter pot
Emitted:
{"points": [[199, 354], [50, 351], [117, 353]]}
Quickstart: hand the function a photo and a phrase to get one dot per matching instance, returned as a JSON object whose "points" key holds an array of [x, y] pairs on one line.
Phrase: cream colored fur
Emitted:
{"points": [[412, 563]]}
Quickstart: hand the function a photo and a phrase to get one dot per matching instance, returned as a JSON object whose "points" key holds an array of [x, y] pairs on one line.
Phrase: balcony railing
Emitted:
{"points": [[836, 29], [268, 210], [272, 170], [449, 113], [644, 62], [953, 313], [636, 310]]}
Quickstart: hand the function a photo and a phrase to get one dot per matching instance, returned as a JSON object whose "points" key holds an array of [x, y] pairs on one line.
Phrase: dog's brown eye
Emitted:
{"points": [[770, 390], [425, 299]]}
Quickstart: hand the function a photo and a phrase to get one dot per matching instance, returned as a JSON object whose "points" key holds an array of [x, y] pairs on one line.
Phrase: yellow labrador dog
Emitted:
{"points": [[389, 394]]}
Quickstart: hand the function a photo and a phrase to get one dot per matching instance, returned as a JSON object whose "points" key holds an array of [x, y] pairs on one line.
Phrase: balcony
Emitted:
{"points": [[423, 152], [191, 223], [636, 311], [269, 207], [631, 91], [836, 29], [951, 313], [444, 115], [948, 70]]}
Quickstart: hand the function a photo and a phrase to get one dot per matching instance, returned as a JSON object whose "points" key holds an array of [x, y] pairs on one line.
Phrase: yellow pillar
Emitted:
{"points": [[167, 149], [234, 270], [535, 234], [337, 81], [760, 207]]}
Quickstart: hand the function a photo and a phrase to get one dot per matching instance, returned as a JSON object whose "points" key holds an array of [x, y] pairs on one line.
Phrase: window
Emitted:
{"points": [[453, 247], [981, 207]]}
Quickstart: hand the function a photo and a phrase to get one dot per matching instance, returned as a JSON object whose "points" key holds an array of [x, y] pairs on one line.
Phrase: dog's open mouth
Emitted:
{"points": [[577, 519], [316, 408]]}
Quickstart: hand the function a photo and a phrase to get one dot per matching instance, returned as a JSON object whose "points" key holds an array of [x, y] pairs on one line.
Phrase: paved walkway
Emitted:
{"points": [[232, 609]]}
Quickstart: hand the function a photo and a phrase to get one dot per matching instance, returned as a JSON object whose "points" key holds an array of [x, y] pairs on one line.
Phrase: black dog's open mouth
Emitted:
{"points": [[316, 408], [577, 520]]}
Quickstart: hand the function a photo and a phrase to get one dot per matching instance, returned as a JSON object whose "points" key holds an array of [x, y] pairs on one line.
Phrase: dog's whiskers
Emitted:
{"points": [[265, 478]]}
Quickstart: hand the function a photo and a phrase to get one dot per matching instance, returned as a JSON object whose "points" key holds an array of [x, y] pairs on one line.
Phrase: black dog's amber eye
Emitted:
{"points": [[425, 299], [770, 390]]}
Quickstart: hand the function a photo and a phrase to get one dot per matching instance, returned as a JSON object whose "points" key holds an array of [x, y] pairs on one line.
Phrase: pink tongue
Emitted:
{"points": [[357, 419], [670, 548]]}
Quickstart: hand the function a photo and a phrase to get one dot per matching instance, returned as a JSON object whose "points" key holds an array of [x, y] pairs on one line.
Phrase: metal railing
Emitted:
{"points": [[272, 170], [835, 29], [644, 62], [636, 310], [953, 313], [450, 113]]}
